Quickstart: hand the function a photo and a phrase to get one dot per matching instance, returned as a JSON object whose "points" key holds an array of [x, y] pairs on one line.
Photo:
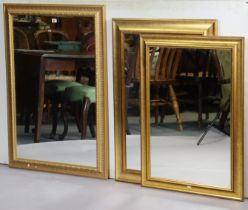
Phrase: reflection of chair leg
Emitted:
{"points": [[78, 116], [85, 108], [156, 114], [175, 106], [128, 132], [222, 114], [65, 121], [199, 105], [27, 122], [91, 121], [54, 119], [162, 116]]}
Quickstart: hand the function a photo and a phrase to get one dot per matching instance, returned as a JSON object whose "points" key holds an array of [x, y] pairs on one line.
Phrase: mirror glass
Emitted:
{"points": [[127, 83], [190, 117], [132, 92], [55, 88]]}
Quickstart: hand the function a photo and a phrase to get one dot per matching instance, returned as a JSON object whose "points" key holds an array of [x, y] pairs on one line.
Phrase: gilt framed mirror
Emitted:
{"points": [[194, 86], [57, 90], [126, 34]]}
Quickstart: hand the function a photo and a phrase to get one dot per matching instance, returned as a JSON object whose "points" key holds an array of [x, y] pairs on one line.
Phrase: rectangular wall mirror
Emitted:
{"points": [[57, 91], [192, 114], [126, 34]]}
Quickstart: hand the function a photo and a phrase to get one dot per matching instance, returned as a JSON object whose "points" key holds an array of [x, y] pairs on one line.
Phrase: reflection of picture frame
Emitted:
{"points": [[138, 26], [236, 103], [97, 13]]}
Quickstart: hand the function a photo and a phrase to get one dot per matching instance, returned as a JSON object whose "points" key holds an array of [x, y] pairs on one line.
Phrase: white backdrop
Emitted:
{"points": [[232, 16]]}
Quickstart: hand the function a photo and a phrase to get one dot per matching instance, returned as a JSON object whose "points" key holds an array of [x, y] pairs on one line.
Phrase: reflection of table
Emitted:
{"points": [[200, 91], [44, 61]]}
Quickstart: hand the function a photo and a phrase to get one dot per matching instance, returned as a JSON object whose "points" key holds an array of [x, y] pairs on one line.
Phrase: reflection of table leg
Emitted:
{"points": [[199, 104], [65, 121], [128, 132], [40, 105]]}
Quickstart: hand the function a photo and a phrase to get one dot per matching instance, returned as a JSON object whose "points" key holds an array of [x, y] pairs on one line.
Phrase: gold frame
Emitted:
{"points": [[236, 44], [98, 13], [138, 26]]}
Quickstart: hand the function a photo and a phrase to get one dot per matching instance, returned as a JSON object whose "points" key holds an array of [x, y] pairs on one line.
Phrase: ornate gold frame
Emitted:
{"points": [[98, 13], [138, 26], [236, 44]]}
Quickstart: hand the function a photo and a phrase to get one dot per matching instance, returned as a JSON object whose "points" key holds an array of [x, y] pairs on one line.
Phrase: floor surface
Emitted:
{"points": [[76, 152], [29, 190]]}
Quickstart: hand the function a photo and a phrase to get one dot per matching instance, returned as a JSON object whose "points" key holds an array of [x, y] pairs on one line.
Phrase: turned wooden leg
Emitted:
{"points": [[128, 132], [54, 119], [162, 116], [199, 104], [156, 108], [39, 111], [156, 115], [78, 116], [85, 108], [91, 121], [27, 123], [175, 106], [65, 121]]}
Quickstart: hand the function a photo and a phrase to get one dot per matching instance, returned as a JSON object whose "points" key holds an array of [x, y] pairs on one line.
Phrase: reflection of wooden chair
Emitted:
{"points": [[49, 35], [163, 76], [20, 39]]}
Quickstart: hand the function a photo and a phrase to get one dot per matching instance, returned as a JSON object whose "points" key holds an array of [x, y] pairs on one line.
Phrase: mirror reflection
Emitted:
{"points": [[190, 115], [132, 91], [55, 86]]}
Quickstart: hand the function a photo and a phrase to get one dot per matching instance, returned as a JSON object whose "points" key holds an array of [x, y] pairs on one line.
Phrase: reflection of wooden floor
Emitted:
{"points": [[177, 157], [78, 152]]}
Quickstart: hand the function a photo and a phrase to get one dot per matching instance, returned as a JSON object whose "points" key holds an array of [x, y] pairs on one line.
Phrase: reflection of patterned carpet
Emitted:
{"points": [[170, 127], [27, 138], [179, 158]]}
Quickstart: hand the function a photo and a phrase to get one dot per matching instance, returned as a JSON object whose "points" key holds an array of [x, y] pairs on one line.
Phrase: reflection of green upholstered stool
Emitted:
{"points": [[83, 95], [54, 91], [63, 45], [56, 88]]}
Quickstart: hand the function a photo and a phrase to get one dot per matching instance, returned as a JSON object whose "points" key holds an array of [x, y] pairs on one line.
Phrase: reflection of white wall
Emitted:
{"points": [[232, 16]]}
